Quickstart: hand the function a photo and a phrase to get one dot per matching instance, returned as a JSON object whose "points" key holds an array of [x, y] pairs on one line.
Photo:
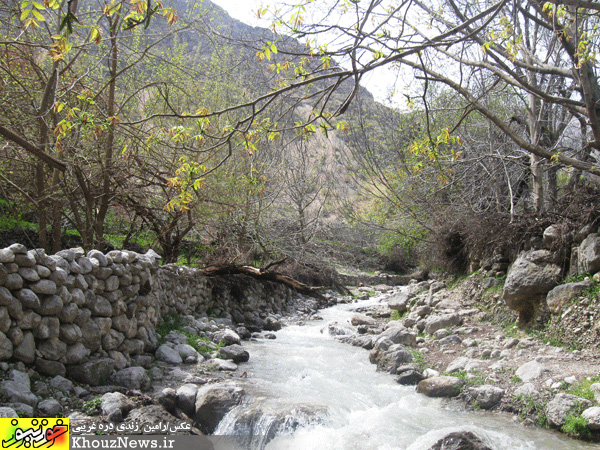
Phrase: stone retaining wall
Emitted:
{"points": [[59, 311]]}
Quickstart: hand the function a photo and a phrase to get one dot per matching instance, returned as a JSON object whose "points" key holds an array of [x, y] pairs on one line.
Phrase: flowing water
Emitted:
{"points": [[309, 391]]}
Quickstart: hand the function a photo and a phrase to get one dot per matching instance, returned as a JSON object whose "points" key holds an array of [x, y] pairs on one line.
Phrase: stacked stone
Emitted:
{"points": [[58, 311]]}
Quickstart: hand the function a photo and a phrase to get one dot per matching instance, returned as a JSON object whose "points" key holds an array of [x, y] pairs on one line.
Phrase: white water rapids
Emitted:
{"points": [[309, 391]]}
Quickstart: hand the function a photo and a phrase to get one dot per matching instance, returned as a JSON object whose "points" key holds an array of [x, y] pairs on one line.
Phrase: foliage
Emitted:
{"points": [[582, 389], [92, 407], [528, 406], [575, 426]]}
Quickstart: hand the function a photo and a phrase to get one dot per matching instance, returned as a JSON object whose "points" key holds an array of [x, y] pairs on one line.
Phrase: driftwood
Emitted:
{"points": [[262, 274]]}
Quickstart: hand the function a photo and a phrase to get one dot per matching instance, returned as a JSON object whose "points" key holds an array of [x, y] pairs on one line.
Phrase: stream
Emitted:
{"points": [[309, 391]]}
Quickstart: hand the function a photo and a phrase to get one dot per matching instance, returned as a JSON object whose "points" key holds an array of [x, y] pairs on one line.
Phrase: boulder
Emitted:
{"points": [[212, 403], [362, 319], [592, 415], [8, 413], [562, 405], [552, 236], [52, 349], [409, 377], [17, 392], [132, 378], [116, 406], [25, 351], [563, 294], [94, 373], [392, 358], [62, 384], [168, 355], [186, 398], [49, 408], [234, 352], [531, 276], [442, 386], [187, 351], [589, 254], [272, 324], [50, 368], [486, 396], [530, 371], [400, 301], [152, 416], [227, 337], [437, 322], [399, 335], [460, 440]]}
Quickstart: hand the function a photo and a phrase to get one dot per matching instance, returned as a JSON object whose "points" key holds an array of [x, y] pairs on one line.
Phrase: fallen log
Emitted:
{"points": [[262, 274]]}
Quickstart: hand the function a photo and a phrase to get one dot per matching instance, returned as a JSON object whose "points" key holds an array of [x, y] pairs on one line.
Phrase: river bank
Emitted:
{"points": [[206, 373]]}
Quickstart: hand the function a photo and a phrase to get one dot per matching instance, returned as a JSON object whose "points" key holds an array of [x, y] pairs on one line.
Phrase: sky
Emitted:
{"points": [[379, 83]]}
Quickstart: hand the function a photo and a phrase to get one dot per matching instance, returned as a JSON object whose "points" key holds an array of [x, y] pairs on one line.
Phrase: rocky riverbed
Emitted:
{"points": [[443, 341]]}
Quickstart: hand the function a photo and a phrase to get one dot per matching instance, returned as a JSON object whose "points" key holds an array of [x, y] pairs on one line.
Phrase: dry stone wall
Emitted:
{"points": [[60, 311]]}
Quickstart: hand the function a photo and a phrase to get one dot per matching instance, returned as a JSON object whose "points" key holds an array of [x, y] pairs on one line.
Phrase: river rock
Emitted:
{"points": [[186, 351], [530, 371], [531, 276], [272, 324], [25, 351], [399, 335], [167, 398], [460, 440], [132, 378], [17, 392], [562, 405], [94, 373], [592, 415], [391, 359], [400, 301], [152, 416], [168, 355], [116, 406], [49, 408], [186, 398], [212, 403], [589, 254], [62, 384], [485, 396], [409, 377], [8, 413], [227, 337], [437, 322], [563, 294], [50, 368], [362, 319], [462, 363], [29, 299], [222, 365], [442, 386], [234, 352]]}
